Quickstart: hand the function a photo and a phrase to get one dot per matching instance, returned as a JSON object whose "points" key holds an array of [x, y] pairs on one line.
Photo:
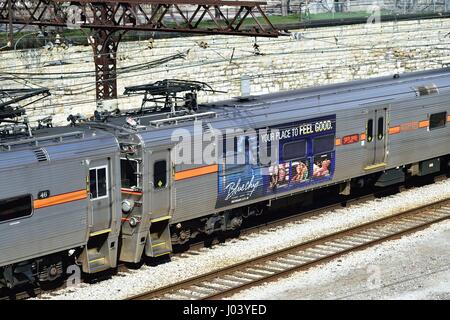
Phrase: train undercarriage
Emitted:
{"points": [[379, 183], [52, 270]]}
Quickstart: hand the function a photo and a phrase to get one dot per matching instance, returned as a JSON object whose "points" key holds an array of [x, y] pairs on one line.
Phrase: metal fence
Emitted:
{"points": [[280, 12], [330, 8]]}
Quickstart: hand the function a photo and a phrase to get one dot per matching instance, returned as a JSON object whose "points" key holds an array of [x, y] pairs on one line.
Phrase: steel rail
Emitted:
{"points": [[229, 280]]}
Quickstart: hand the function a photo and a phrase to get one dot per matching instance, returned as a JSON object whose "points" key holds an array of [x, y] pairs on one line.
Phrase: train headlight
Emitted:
{"points": [[127, 206], [133, 222]]}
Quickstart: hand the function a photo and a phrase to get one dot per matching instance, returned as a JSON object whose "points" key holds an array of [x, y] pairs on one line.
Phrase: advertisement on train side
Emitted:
{"points": [[280, 158]]}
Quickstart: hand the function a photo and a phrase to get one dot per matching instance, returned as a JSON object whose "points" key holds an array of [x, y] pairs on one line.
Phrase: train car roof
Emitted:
{"points": [[276, 108], [60, 143]]}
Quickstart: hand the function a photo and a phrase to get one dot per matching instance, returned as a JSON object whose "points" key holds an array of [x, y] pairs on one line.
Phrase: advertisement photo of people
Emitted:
{"points": [[300, 171], [279, 176], [321, 166], [290, 172]]}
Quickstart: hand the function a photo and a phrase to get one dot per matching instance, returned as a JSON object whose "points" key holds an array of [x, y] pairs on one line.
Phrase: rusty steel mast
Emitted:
{"points": [[108, 20]]}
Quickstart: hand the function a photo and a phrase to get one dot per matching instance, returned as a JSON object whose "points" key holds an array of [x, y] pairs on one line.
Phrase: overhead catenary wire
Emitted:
{"points": [[176, 67], [278, 74], [129, 72], [230, 44], [330, 49], [294, 72]]}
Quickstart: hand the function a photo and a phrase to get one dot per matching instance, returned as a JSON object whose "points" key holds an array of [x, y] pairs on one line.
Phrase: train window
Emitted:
{"points": [[252, 150], [231, 148], [101, 182], [380, 128], [93, 183], [98, 182], [294, 150], [240, 152], [264, 149], [160, 174], [370, 130], [241, 149], [247, 149], [323, 144], [128, 170], [16, 207], [438, 120]]}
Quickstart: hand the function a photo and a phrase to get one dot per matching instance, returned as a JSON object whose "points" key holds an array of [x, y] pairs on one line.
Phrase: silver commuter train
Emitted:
{"points": [[60, 192], [63, 192]]}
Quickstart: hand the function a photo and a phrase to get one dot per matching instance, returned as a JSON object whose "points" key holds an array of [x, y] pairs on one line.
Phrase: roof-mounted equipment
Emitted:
{"points": [[11, 111], [10, 97], [178, 97], [426, 90]]}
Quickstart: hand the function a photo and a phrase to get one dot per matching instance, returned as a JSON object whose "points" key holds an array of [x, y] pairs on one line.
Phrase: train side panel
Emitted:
{"points": [[195, 195], [59, 221], [61, 194], [411, 139], [351, 157]]}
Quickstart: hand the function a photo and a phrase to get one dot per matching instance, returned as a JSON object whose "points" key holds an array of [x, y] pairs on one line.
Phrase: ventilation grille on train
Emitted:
{"points": [[426, 90], [40, 155]]}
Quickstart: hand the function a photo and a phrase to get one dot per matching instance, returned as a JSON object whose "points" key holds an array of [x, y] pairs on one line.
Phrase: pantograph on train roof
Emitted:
{"points": [[13, 121]]}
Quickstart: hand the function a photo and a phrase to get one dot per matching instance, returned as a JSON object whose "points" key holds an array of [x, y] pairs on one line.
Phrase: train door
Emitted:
{"points": [[100, 194], [160, 183], [159, 239], [376, 137]]}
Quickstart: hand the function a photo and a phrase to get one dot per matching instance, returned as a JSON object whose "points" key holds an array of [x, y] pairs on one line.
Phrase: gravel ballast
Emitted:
{"points": [[416, 266], [127, 284]]}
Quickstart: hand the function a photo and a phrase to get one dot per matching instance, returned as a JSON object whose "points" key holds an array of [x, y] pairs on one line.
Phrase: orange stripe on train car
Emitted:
{"points": [[424, 123], [394, 130], [185, 174], [409, 126], [131, 191], [60, 199], [338, 141], [362, 136], [448, 118]]}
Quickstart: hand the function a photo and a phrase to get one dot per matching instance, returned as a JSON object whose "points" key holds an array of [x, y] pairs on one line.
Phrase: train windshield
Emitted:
{"points": [[129, 170]]}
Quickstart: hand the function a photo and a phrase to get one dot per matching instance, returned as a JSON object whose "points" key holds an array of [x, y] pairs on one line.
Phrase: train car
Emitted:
{"points": [[377, 132], [59, 204], [130, 185]]}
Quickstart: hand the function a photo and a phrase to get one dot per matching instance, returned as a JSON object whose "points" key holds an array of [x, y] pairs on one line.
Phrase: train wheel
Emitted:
{"points": [[208, 242], [51, 273], [180, 248], [134, 265], [235, 233], [222, 237], [155, 261], [230, 234]]}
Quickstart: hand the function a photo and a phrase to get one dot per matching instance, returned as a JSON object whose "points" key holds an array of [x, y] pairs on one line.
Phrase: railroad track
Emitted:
{"points": [[194, 248], [22, 295], [271, 223], [297, 217], [243, 275]]}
